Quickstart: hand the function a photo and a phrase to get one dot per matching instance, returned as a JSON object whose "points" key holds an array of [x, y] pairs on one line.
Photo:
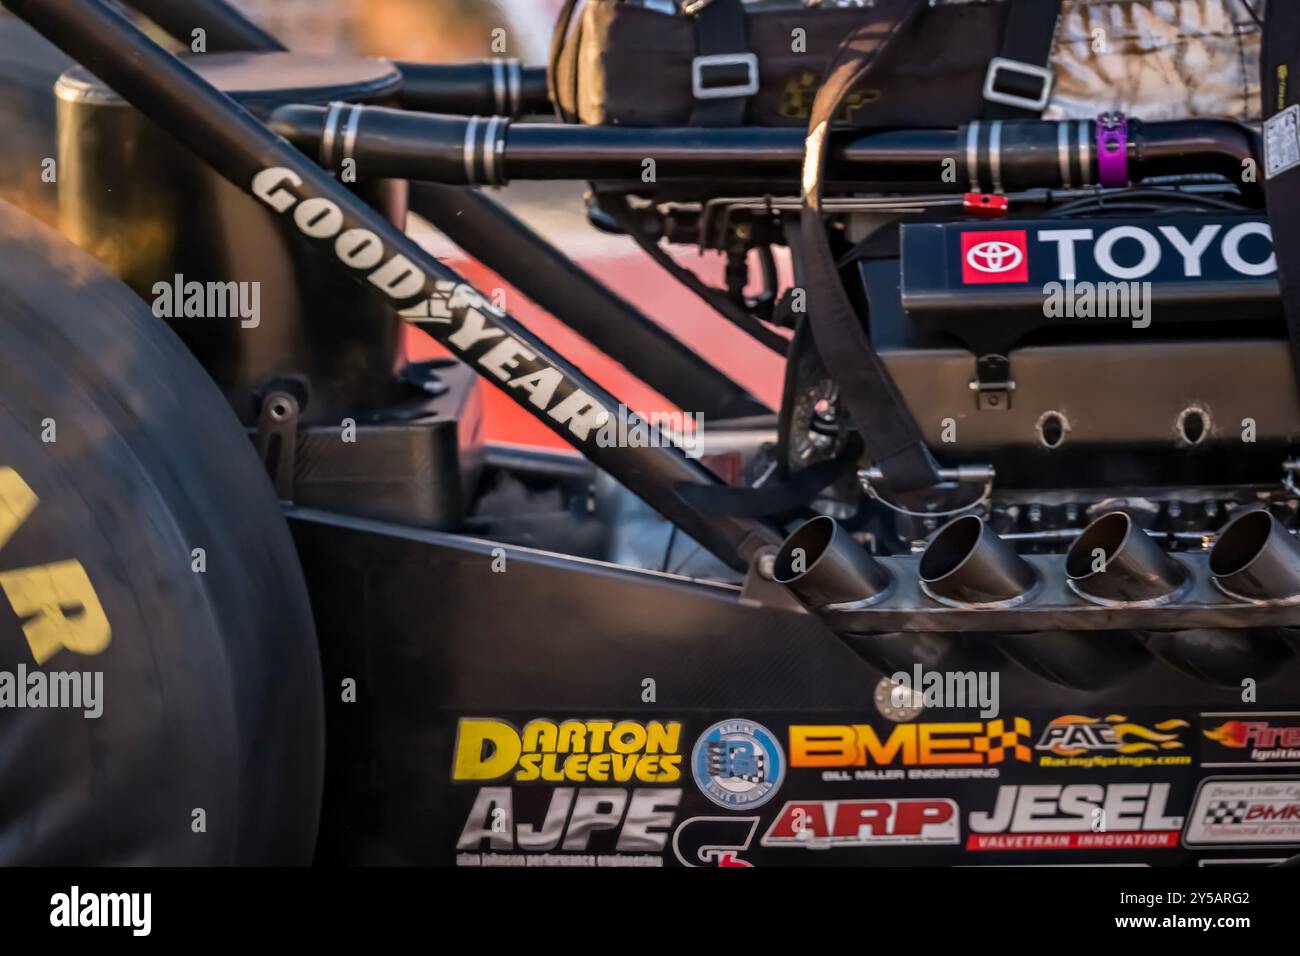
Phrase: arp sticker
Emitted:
{"points": [[826, 824]]}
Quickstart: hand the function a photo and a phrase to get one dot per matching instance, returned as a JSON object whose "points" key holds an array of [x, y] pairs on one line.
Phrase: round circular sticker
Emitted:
{"points": [[738, 764]]}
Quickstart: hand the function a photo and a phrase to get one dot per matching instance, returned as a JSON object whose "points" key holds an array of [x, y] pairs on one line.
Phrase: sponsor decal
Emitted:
{"points": [[927, 749], [738, 764], [633, 823], [1078, 817], [1135, 252], [1245, 811], [1236, 740], [1231, 249], [477, 337], [568, 751], [714, 841], [1282, 142], [823, 824], [1074, 740], [1000, 256]]}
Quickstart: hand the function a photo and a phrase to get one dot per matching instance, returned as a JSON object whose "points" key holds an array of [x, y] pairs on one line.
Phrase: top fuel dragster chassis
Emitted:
{"points": [[518, 706]]}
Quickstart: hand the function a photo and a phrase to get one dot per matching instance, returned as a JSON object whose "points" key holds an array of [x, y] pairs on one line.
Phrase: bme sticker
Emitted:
{"points": [[1000, 256]]}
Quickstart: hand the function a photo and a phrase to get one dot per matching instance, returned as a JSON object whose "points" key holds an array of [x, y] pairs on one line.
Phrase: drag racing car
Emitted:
{"points": [[1009, 574]]}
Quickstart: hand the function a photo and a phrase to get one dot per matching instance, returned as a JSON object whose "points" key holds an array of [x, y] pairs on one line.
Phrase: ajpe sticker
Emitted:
{"points": [[1282, 142]]}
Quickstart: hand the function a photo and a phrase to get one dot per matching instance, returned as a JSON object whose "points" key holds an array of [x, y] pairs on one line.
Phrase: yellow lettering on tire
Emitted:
{"points": [[56, 602], [59, 609], [17, 501]]}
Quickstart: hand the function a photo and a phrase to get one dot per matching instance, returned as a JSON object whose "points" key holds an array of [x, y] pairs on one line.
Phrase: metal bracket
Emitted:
{"points": [[277, 440], [961, 475], [993, 384], [703, 91], [1033, 104], [761, 591]]}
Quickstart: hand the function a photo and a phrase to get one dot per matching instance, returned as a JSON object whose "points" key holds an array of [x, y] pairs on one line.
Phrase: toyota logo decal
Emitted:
{"points": [[994, 257]]}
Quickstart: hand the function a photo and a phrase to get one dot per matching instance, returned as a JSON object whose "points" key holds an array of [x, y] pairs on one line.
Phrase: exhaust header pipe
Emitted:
{"points": [[1256, 559], [822, 564], [838, 575], [967, 565], [1114, 562]]}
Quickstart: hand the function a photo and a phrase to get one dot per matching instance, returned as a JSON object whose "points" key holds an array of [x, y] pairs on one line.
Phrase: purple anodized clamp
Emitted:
{"points": [[1112, 150]]}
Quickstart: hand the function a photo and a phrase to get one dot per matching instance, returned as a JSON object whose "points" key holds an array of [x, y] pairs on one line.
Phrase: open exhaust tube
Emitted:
{"points": [[1256, 559], [967, 565], [828, 571], [1114, 562], [822, 564]]}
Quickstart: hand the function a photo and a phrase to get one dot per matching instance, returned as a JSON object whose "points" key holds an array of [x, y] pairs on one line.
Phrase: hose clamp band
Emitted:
{"points": [[514, 88], [485, 142], [338, 140], [1112, 150], [329, 135]]}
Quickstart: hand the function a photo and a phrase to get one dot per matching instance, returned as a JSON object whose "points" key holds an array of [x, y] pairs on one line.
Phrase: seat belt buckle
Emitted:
{"points": [[725, 84], [1001, 68]]}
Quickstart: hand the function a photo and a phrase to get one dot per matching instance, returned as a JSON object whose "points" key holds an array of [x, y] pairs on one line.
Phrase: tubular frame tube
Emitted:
{"points": [[490, 234], [363, 244], [1025, 154], [496, 87], [227, 30]]}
